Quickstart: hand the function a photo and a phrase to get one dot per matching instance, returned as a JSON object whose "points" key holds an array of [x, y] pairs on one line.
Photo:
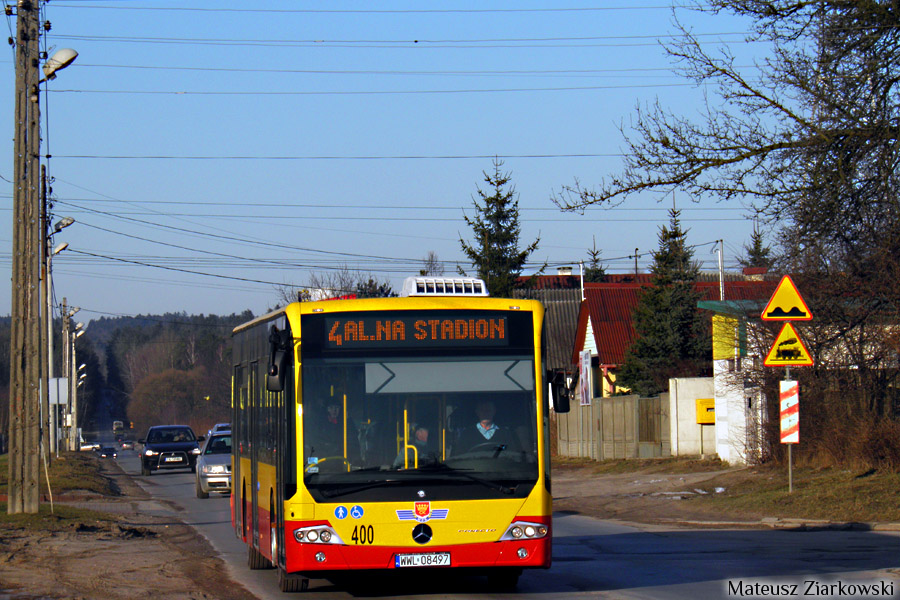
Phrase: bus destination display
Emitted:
{"points": [[406, 332]]}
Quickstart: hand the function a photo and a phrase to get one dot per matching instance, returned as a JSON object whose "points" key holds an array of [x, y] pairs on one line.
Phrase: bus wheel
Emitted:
{"points": [[504, 580], [255, 559], [290, 582]]}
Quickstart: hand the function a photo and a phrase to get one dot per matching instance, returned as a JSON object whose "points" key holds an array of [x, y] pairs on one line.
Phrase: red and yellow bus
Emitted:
{"points": [[393, 433]]}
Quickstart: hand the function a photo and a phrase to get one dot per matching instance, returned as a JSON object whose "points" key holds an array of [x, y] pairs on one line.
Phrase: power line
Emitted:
{"points": [[333, 157], [366, 11], [517, 42], [588, 88]]}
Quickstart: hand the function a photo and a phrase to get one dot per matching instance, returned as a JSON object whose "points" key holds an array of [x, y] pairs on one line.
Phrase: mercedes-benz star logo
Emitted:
{"points": [[420, 493], [422, 533]]}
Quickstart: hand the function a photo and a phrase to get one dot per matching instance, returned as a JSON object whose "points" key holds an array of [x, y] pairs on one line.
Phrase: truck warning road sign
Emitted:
{"points": [[788, 350], [786, 304]]}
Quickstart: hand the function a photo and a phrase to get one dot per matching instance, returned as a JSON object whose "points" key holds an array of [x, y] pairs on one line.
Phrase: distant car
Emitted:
{"points": [[219, 427], [89, 446], [107, 452], [169, 447], [214, 465], [127, 445]]}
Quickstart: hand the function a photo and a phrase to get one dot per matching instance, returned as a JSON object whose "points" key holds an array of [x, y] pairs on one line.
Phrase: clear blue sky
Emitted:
{"points": [[195, 142]]}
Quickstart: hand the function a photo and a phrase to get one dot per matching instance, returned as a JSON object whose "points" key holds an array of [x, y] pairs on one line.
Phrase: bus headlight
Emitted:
{"points": [[521, 530], [320, 534]]}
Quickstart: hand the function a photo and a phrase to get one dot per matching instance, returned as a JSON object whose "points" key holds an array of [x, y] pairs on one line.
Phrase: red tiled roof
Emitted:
{"points": [[551, 282], [610, 307]]}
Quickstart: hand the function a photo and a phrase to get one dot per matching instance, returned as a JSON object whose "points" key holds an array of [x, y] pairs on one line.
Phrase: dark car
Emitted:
{"points": [[169, 447], [107, 452]]}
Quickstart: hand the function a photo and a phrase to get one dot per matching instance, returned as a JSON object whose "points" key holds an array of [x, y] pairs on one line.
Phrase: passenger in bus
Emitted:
{"points": [[327, 434], [426, 453], [484, 432]]}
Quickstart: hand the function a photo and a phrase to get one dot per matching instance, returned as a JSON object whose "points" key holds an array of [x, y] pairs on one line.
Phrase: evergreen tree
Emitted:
{"points": [[757, 252], [671, 337], [374, 289], [494, 251], [594, 272]]}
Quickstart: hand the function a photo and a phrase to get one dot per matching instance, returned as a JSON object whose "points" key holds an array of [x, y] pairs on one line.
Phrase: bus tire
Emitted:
{"points": [[256, 560], [290, 582]]}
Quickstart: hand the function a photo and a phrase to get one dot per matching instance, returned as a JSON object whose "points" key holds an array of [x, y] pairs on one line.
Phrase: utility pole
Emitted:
{"points": [[47, 442], [66, 365], [25, 335], [721, 250]]}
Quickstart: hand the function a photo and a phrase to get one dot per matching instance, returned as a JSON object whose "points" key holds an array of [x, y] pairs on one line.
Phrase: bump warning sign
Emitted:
{"points": [[786, 304]]}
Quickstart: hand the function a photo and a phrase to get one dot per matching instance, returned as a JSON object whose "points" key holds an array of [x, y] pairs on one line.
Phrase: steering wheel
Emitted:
{"points": [[498, 448]]}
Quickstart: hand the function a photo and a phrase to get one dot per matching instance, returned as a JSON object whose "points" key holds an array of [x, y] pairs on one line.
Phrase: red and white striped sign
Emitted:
{"points": [[790, 412]]}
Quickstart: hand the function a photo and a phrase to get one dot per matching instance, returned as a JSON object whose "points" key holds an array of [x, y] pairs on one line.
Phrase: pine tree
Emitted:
{"points": [[594, 272], [757, 253], [494, 251], [671, 337]]}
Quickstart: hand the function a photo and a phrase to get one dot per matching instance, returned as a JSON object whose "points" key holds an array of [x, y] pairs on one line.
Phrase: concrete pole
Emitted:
{"points": [[65, 362], [25, 334], [722, 270], [47, 444]]}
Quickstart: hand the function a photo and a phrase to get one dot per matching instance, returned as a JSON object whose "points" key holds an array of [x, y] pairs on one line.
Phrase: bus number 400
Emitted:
{"points": [[363, 534]]}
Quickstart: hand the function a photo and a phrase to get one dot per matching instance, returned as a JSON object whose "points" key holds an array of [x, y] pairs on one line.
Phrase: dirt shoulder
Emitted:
{"points": [[710, 494], [121, 557], [645, 497]]}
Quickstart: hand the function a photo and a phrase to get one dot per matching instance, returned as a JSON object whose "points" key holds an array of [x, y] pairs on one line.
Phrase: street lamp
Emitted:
{"points": [[61, 59], [50, 411]]}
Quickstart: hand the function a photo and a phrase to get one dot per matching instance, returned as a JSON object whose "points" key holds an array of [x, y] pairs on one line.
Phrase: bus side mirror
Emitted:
{"points": [[561, 387], [279, 344]]}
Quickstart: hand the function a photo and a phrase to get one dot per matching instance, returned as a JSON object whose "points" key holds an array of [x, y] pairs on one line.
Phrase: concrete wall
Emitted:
{"points": [[617, 427], [740, 416], [688, 438]]}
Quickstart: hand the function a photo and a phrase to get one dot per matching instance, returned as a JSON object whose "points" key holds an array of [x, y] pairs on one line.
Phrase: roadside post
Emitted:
{"points": [[788, 350]]}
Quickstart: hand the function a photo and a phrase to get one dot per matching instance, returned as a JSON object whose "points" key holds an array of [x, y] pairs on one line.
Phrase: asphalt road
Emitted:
{"points": [[600, 559]]}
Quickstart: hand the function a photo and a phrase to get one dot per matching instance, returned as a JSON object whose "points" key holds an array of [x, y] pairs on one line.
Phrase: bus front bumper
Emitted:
{"points": [[524, 554]]}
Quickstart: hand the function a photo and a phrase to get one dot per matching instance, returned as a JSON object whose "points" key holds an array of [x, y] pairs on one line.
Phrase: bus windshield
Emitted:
{"points": [[465, 423]]}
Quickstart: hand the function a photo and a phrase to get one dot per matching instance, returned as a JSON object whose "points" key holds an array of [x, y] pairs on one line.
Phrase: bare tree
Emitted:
{"points": [[431, 265], [810, 137]]}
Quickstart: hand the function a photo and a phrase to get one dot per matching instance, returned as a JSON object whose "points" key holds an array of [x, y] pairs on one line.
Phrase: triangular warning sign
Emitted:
{"points": [[788, 350], [786, 304]]}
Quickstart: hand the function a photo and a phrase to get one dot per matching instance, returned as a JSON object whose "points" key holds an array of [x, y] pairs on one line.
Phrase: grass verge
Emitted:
{"points": [[63, 518], [642, 465], [68, 472], [824, 494]]}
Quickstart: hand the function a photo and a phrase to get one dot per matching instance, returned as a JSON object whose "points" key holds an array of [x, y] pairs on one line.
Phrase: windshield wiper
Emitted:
{"points": [[445, 469], [362, 487]]}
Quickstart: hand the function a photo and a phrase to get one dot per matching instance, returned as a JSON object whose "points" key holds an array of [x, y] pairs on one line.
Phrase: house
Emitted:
{"points": [[604, 331], [605, 327]]}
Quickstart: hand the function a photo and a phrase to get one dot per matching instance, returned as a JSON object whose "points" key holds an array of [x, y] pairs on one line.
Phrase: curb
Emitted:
{"points": [[794, 524]]}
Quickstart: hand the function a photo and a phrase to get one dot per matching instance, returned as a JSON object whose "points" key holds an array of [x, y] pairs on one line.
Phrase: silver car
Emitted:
{"points": [[214, 465]]}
